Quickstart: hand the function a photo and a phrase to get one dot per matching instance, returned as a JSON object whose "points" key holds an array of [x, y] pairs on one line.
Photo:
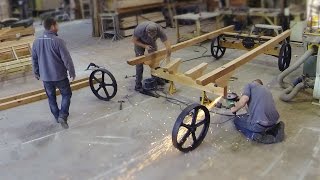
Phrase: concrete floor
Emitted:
{"points": [[135, 143]]}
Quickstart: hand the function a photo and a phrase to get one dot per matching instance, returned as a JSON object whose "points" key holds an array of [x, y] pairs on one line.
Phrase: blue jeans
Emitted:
{"points": [[249, 129], [139, 67], [66, 93]]}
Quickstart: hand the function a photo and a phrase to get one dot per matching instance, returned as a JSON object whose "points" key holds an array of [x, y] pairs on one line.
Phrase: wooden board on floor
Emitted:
{"points": [[37, 95]]}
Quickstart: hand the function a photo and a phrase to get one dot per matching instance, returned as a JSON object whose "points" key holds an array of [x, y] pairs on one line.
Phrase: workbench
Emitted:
{"points": [[197, 18]]}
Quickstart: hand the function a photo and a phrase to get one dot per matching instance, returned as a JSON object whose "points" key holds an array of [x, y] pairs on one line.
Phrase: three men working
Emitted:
{"points": [[51, 63], [261, 122], [144, 38]]}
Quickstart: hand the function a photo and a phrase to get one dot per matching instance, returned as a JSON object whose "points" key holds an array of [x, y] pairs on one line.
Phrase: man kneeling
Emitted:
{"points": [[261, 122]]}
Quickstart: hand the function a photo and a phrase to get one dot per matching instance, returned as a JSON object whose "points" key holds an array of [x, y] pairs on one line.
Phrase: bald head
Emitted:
{"points": [[258, 81]]}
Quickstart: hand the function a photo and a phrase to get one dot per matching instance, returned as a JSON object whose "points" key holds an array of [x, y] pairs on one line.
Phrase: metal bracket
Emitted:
{"points": [[204, 99], [172, 88]]}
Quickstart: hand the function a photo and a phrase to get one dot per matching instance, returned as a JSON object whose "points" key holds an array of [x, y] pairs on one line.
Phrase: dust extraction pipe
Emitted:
{"points": [[289, 93], [294, 67]]}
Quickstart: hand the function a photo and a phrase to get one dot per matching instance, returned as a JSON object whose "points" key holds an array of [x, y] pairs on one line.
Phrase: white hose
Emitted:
{"points": [[289, 93], [294, 67]]}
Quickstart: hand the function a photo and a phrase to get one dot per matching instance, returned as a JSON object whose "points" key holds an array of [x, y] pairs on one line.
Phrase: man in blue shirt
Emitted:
{"points": [[261, 122], [51, 63]]}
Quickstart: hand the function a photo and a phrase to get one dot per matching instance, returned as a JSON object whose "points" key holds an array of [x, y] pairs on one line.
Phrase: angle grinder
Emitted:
{"points": [[230, 100]]}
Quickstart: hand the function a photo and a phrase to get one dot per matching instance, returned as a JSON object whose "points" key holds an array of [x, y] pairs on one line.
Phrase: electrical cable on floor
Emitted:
{"points": [[202, 56], [186, 104]]}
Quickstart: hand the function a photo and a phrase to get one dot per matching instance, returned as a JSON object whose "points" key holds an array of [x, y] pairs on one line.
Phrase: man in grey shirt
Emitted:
{"points": [[51, 63], [144, 38], [261, 122]]}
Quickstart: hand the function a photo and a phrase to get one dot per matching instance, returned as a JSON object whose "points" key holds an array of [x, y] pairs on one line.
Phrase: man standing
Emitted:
{"points": [[260, 124], [51, 63], [144, 38]]}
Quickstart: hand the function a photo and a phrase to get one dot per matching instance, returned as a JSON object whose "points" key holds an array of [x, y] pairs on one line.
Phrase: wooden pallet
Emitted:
{"points": [[15, 57], [128, 24]]}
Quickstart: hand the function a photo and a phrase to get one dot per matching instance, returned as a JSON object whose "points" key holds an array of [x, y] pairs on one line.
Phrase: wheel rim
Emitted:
{"points": [[103, 84], [190, 128], [284, 57], [217, 50]]}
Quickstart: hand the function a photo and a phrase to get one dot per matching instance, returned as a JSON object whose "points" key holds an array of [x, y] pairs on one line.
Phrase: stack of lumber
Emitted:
{"points": [[15, 57], [128, 24], [9, 34], [125, 6]]}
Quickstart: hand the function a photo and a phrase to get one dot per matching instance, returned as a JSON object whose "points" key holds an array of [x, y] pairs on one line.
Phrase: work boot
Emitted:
{"points": [[267, 139], [280, 133], [138, 87], [63, 123], [160, 82]]}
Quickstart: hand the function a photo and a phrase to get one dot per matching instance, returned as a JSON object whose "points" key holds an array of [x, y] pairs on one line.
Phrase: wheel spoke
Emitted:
{"points": [[200, 123], [106, 91], [194, 117], [194, 137], [108, 85], [186, 126], [99, 88], [184, 138], [96, 79]]}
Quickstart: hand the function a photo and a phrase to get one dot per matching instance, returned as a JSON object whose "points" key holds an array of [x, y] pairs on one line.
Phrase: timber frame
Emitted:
{"points": [[216, 81]]}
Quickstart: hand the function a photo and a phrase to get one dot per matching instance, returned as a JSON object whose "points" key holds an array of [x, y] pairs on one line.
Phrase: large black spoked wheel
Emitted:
{"points": [[217, 50], [284, 58], [191, 128], [103, 84]]}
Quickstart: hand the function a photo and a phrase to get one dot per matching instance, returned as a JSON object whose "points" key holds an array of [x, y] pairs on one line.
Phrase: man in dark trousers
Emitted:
{"points": [[51, 63], [144, 38], [261, 122]]}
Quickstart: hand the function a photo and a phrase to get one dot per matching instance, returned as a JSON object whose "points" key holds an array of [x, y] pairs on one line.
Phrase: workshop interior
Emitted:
{"points": [[160, 89]]}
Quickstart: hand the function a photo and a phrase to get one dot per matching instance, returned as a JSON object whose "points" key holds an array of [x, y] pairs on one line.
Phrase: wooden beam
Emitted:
{"points": [[173, 66], [197, 71], [161, 53], [187, 81], [37, 95], [233, 65], [238, 45]]}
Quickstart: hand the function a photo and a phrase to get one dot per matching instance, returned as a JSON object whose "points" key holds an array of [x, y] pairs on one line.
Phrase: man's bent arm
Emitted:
{"points": [[242, 103], [137, 42], [167, 44]]}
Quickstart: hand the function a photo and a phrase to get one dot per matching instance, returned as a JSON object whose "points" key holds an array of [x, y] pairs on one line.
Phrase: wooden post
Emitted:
{"points": [[96, 10]]}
